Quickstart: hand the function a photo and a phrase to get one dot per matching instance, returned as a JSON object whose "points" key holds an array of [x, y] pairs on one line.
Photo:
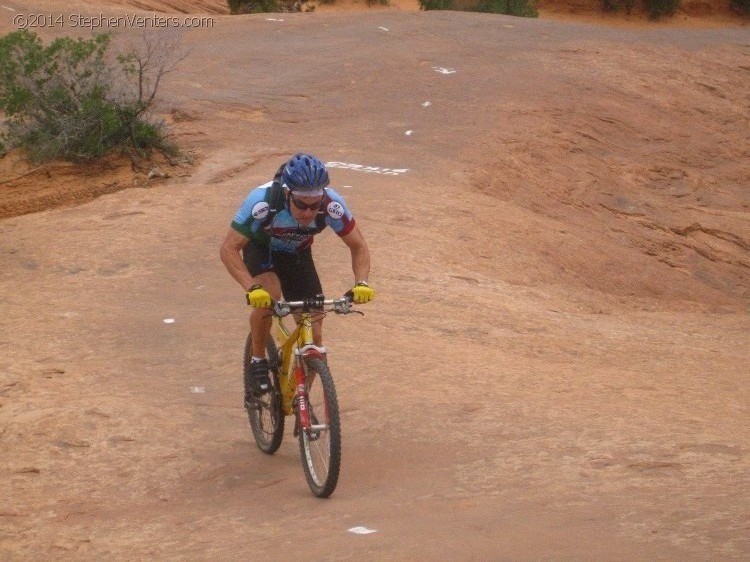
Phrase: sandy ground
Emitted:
{"points": [[556, 364]]}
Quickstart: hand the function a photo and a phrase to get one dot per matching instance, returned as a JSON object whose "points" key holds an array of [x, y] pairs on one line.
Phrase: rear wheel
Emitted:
{"points": [[264, 412], [320, 445]]}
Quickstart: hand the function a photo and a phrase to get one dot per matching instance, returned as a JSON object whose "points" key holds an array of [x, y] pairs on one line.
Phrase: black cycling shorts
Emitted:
{"points": [[296, 272]]}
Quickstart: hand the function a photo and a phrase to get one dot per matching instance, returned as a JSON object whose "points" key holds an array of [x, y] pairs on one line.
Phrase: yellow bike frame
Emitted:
{"points": [[292, 345]]}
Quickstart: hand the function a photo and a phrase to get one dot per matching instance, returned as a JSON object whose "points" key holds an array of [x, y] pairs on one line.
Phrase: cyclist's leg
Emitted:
{"points": [[299, 280], [263, 407], [315, 288], [260, 318], [257, 258], [317, 327]]}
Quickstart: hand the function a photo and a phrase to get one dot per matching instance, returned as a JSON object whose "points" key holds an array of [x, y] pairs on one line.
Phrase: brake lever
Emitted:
{"points": [[347, 310], [345, 307], [281, 310]]}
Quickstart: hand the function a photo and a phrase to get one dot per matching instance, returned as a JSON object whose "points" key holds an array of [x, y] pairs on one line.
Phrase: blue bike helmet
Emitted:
{"points": [[305, 174]]}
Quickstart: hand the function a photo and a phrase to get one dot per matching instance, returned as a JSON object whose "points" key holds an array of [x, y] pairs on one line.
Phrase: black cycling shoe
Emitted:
{"points": [[260, 383]]}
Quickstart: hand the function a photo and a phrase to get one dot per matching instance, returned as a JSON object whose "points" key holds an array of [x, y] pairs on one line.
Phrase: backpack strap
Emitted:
{"points": [[274, 196], [276, 192], [320, 218]]}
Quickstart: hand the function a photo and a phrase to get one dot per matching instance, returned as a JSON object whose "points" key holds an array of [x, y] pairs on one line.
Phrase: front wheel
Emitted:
{"points": [[320, 444], [264, 412]]}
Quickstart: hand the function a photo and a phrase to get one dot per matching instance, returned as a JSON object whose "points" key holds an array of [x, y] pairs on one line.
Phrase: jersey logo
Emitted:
{"points": [[260, 210], [335, 209]]}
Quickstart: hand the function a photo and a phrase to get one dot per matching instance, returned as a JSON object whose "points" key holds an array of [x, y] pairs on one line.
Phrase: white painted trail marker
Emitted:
{"points": [[198, 389], [362, 531], [408, 133], [169, 320], [442, 70], [426, 104], [367, 169], [274, 19], [383, 28]]}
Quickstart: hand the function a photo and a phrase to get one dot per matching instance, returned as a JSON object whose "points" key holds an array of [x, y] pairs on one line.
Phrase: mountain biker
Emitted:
{"points": [[268, 250]]}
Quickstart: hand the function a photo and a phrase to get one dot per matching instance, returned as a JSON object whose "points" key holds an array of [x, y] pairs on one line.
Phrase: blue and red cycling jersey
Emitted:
{"points": [[282, 233]]}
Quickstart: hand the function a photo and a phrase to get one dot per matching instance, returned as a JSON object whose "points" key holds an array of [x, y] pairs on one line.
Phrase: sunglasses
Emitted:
{"points": [[302, 206]]}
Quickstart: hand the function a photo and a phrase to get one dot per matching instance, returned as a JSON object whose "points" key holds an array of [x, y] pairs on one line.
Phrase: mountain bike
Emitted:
{"points": [[302, 386]]}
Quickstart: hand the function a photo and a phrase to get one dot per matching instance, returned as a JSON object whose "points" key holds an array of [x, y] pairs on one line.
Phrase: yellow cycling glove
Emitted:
{"points": [[362, 293], [258, 297]]}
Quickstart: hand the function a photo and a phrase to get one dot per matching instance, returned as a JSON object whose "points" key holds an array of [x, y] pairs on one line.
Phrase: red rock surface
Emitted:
{"points": [[555, 366]]}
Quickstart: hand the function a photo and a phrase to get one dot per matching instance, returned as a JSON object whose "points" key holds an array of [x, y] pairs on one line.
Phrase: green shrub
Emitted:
{"points": [[436, 4], [68, 100], [614, 5], [524, 8], [253, 6], [263, 6], [741, 6], [659, 8], [521, 8]]}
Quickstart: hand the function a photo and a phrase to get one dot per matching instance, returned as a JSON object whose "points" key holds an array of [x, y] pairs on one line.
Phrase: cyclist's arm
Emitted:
{"points": [[360, 254], [231, 255]]}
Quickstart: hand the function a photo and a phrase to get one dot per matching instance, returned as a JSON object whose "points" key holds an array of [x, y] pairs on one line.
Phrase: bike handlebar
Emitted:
{"points": [[341, 305]]}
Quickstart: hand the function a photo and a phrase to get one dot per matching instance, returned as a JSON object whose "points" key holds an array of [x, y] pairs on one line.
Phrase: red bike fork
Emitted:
{"points": [[304, 414]]}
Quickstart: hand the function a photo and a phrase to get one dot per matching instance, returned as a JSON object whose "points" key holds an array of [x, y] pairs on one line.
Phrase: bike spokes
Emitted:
{"points": [[320, 442], [264, 412]]}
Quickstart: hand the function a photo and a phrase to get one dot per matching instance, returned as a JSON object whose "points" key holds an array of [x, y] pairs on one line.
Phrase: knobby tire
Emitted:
{"points": [[321, 450], [265, 414]]}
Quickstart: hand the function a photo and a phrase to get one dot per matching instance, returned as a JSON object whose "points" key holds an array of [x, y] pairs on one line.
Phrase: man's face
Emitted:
{"points": [[304, 208]]}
